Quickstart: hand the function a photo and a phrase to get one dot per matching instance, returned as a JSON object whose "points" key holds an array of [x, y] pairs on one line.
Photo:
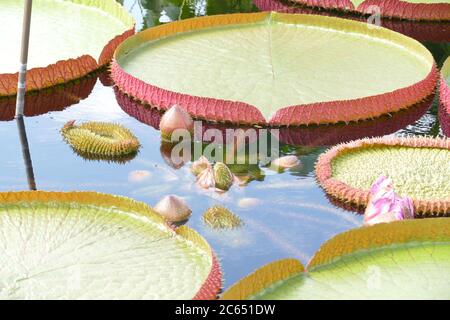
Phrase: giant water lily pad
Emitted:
{"points": [[400, 260], [273, 68], [69, 39], [418, 167], [444, 110], [434, 10], [95, 246]]}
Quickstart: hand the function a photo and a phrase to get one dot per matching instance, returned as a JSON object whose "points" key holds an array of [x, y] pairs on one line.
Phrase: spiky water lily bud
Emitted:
{"points": [[173, 209], [219, 217], [286, 162], [200, 165], [223, 176], [100, 139], [175, 118], [385, 206]]}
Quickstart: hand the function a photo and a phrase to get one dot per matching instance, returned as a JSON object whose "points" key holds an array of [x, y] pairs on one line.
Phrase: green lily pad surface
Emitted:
{"points": [[402, 260], [94, 246], [422, 176], [60, 30]]}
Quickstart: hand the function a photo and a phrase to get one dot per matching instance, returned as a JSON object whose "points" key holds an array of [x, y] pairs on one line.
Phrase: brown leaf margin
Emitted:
{"points": [[71, 69], [360, 197], [242, 113], [212, 284], [344, 244]]}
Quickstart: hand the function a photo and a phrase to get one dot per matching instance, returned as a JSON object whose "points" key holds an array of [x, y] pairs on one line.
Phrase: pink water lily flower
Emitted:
{"points": [[385, 205]]}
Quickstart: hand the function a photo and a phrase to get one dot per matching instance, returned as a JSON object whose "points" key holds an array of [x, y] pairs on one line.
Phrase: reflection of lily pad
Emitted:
{"points": [[52, 99], [300, 81], [69, 39], [400, 260], [89, 245], [444, 112], [417, 166]]}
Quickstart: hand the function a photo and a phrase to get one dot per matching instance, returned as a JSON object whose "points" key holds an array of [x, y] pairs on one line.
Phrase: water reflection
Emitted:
{"points": [[49, 100], [154, 12], [26, 153]]}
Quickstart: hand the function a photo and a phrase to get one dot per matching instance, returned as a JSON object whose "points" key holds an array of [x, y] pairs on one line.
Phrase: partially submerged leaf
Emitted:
{"points": [[418, 168], [308, 79], [95, 246], [69, 39], [401, 260]]}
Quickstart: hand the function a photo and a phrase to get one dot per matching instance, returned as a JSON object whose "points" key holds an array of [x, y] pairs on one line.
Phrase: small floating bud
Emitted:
{"points": [[173, 209]]}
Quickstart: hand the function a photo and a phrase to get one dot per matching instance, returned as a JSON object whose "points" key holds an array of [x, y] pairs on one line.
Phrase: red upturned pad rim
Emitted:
{"points": [[242, 113], [152, 117], [387, 8], [213, 284], [49, 100], [434, 31], [359, 197], [67, 70], [313, 136], [328, 135], [407, 10], [444, 110]]}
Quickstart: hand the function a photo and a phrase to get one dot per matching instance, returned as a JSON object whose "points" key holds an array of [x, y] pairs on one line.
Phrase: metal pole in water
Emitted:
{"points": [[21, 87]]}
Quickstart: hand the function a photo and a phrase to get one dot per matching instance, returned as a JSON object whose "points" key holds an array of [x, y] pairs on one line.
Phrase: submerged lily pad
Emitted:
{"points": [[401, 260], [418, 168], [95, 246], [276, 69], [69, 39], [436, 10], [444, 111]]}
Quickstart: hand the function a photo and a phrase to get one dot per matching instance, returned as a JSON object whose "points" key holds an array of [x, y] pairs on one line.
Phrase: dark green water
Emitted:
{"points": [[289, 215]]}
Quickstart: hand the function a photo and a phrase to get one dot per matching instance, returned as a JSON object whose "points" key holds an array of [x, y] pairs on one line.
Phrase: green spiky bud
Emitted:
{"points": [[219, 217], [223, 176], [99, 139]]}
